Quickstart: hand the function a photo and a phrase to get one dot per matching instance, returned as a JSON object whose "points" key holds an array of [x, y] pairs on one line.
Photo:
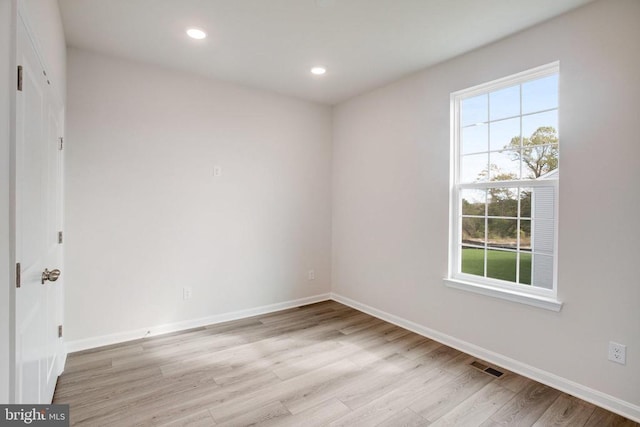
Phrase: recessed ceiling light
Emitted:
{"points": [[196, 33], [318, 71]]}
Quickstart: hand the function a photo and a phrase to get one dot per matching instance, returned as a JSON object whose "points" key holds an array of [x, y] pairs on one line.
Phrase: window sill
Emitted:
{"points": [[506, 294]]}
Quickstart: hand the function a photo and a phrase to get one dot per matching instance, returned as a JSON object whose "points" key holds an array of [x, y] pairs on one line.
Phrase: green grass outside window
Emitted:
{"points": [[500, 264]]}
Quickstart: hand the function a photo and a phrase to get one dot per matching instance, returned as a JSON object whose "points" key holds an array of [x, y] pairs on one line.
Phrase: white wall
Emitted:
{"points": [[145, 216], [390, 200]]}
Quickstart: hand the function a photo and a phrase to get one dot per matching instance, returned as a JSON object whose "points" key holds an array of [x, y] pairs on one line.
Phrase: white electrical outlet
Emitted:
{"points": [[617, 352], [217, 171], [311, 275], [186, 293]]}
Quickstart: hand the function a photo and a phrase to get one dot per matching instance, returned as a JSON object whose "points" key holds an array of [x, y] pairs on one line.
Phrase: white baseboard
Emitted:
{"points": [[611, 403], [94, 342]]}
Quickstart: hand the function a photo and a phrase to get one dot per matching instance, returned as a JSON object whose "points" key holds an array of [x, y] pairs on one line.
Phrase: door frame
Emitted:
{"points": [[8, 75]]}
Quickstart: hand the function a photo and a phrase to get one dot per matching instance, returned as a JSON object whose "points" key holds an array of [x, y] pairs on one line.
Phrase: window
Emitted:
{"points": [[504, 197]]}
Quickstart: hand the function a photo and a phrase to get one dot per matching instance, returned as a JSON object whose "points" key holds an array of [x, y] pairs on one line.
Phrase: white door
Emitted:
{"points": [[38, 219]]}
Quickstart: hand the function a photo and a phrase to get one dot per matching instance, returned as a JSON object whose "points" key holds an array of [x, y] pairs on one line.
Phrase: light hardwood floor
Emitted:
{"points": [[321, 364]]}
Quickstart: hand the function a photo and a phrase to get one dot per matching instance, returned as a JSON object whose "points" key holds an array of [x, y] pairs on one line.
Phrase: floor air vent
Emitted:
{"points": [[487, 369]]}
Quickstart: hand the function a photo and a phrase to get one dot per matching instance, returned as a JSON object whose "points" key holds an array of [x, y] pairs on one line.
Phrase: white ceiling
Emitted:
{"points": [[272, 44]]}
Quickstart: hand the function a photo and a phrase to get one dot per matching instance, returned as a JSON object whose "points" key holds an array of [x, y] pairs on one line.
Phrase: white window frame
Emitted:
{"points": [[535, 296]]}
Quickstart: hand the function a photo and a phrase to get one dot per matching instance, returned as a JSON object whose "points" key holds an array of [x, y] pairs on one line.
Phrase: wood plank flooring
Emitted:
{"points": [[323, 364]]}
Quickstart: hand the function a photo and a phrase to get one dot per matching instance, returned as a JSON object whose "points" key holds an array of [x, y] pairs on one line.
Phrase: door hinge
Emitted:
{"points": [[59, 331], [59, 237], [61, 141], [17, 275], [20, 78]]}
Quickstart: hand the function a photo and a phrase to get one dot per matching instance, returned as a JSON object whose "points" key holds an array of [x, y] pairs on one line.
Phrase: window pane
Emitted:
{"points": [[474, 110], [474, 139], [525, 202], [542, 266], [505, 134], [474, 168], [503, 202], [544, 202], [543, 238], [533, 122], [525, 234], [473, 202], [541, 94], [539, 160], [473, 231], [525, 268], [502, 233], [505, 165], [504, 103], [501, 265], [472, 260]]}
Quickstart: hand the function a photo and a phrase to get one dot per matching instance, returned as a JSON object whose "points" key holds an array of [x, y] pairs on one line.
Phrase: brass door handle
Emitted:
{"points": [[51, 276]]}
